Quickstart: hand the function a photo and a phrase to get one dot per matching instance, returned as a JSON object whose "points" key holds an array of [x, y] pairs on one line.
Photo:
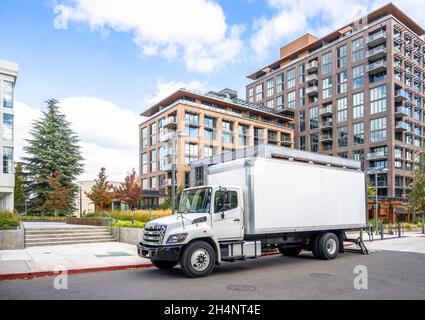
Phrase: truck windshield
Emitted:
{"points": [[195, 201]]}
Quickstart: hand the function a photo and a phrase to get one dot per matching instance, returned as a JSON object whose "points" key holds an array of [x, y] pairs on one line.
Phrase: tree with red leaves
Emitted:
{"points": [[129, 191]]}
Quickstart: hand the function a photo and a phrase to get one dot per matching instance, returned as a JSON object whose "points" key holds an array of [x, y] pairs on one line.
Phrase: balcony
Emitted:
{"points": [[312, 78], [401, 95], [326, 138], [287, 110], [326, 111], [167, 137], [166, 183], [170, 123], [376, 67], [326, 125], [376, 155], [312, 91], [402, 112], [167, 167], [376, 53], [286, 141], [402, 126], [312, 66], [376, 39]]}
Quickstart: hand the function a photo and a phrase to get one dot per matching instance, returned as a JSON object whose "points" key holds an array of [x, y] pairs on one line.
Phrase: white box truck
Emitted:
{"points": [[255, 202]]}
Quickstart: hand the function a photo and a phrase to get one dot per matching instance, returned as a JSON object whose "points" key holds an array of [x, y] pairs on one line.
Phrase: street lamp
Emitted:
{"points": [[173, 169], [376, 171]]}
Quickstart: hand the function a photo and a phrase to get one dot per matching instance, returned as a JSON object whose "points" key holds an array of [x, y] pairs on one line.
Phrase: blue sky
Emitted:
{"points": [[111, 59]]}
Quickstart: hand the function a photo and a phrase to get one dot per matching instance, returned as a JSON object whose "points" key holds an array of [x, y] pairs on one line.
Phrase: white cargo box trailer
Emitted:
{"points": [[291, 196]]}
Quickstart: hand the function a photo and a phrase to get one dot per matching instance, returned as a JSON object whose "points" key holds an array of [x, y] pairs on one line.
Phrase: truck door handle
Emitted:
{"points": [[237, 220]]}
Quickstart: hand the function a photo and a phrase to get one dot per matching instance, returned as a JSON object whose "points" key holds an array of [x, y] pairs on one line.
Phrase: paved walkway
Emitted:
{"points": [[105, 255]]}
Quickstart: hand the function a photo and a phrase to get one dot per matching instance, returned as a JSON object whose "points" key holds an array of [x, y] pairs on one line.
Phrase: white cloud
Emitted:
{"points": [[164, 89], [195, 29], [319, 17], [108, 134]]}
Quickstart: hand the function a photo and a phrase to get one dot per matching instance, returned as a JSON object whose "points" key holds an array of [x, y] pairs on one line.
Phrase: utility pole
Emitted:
{"points": [[81, 202], [173, 174]]}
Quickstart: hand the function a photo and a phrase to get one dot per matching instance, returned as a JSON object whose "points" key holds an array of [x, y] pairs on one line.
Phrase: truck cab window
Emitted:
{"points": [[219, 200]]}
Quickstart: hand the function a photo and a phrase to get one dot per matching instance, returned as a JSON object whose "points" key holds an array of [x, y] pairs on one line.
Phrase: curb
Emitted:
{"points": [[32, 275]]}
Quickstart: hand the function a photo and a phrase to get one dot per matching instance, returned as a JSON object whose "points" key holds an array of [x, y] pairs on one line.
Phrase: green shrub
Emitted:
{"points": [[128, 224], [8, 220]]}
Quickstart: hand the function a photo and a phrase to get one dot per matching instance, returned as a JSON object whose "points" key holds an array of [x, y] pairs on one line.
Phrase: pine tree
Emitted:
{"points": [[53, 148], [129, 191], [101, 192], [58, 198], [417, 194], [18, 193]]}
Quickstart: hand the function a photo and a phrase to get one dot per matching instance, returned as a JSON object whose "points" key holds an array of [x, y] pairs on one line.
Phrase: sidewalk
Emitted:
{"points": [[43, 261]]}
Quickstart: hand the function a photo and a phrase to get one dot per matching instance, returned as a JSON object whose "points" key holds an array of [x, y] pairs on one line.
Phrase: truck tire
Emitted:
{"points": [[164, 264], [198, 259], [290, 252], [315, 246], [328, 246]]}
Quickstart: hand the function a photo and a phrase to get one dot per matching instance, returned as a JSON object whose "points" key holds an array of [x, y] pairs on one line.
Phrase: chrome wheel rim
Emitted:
{"points": [[331, 246], [200, 259]]}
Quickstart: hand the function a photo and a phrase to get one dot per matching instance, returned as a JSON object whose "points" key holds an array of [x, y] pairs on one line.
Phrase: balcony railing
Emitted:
{"points": [[326, 125], [286, 109], [402, 111], [286, 140], [377, 38], [166, 183], [312, 91], [170, 122], [401, 95], [326, 111], [376, 53], [314, 77], [326, 138], [376, 67], [401, 125], [376, 155], [312, 66]]}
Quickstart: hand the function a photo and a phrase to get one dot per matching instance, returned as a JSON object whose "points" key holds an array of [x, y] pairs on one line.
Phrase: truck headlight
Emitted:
{"points": [[177, 238]]}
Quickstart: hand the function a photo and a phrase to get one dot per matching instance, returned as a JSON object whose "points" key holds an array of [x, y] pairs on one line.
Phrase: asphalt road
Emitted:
{"points": [[391, 275]]}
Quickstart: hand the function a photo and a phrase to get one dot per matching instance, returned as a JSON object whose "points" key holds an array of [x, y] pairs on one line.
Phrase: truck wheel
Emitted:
{"points": [[290, 252], [328, 246], [315, 246], [198, 259], [164, 264]]}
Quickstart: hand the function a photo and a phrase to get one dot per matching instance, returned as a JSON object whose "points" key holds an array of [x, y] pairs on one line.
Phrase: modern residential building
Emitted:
{"points": [[356, 93], [8, 75], [205, 125]]}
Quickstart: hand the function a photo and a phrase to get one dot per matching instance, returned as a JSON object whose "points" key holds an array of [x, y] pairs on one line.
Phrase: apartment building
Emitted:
{"points": [[356, 93], [8, 74], [205, 125]]}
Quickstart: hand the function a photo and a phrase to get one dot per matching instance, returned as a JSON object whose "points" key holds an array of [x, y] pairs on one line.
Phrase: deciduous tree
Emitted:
{"points": [[59, 196], [129, 191], [417, 193], [101, 192]]}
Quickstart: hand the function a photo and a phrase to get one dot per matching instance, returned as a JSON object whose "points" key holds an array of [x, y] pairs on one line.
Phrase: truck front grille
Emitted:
{"points": [[154, 234]]}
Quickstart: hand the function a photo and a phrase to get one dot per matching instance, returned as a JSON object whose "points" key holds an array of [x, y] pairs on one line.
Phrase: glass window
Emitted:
{"points": [[342, 56], [291, 78], [195, 201], [144, 184], [358, 77], [251, 94], [358, 155], [208, 151], [342, 109], [342, 134], [7, 126], [153, 183], [314, 118], [153, 134], [358, 105], [358, 133], [258, 136], [144, 163], [314, 143], [220, 200], [191, 153], [210, 122], [378, 130], [270, 88], [378, 99], [291, 100], [358, 50], [144, 134], [327, 87], [270, 104], [152, 156], [272, 137], [342, 82], [243, 134], [259, 92], [7, 94], [302, 143], [7, 160], [302, 121], [279, 82], [301, 70], [327, 63], [227, 132]]}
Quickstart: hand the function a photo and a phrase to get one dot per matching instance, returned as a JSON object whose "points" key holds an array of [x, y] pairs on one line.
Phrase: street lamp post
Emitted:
{"points": [[173, 170], [376, 172]]}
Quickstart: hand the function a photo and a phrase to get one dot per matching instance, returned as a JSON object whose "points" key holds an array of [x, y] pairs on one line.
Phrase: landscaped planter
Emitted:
{"points": [[128, 235], [88, 221], [11, 239]]}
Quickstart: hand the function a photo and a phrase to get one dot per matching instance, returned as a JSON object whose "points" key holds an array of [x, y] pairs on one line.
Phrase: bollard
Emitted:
{"points": [[382, 231]]}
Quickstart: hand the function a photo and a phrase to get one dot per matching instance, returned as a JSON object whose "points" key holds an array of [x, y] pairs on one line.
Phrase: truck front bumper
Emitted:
{"points": [[163, 253]]}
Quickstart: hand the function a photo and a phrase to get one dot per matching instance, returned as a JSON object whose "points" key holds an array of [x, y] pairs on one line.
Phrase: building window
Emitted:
{"points": [[358, 133], [358, 77], [342, 134], [270, 88], [291, 78], [342, 56], [153, 134], [144, 184], [327, 88], [162, 155], [358, 105], [144, 163], [243, 134], [291, 100], [199, 176], [302, 143], [258, 136], [327, 63], [144, 134], [251, 94], [358, 50], [191, 153], [208, 151], [152, 156], [358, 155], [279, 83], [227, 132], [342, 110], [279, 101], [378, 99], [314, 142], [153, 183], [270, 104], [301, 70], [302, 121], [378, 130], [259, 92], [191, 125], [271, 137], [302, 96], [7, 126], [314, 118], [7, 94], [342, 82], [7, 160]]}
